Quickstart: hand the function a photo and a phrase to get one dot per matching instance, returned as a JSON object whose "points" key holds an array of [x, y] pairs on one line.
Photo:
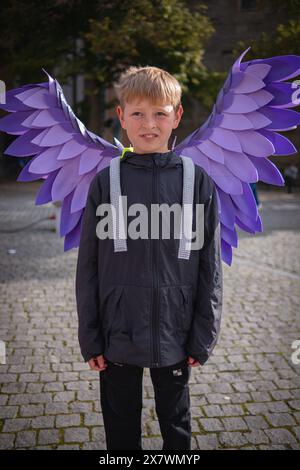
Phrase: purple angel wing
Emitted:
{"points": [[64, 152], [234, 144]]}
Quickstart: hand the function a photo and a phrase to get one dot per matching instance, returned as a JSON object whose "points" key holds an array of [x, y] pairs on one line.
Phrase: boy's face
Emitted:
{"points": [[149, 126]]}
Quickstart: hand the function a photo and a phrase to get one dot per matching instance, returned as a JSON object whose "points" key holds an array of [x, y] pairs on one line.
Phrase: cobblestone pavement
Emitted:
{"points": [[247, 394]]}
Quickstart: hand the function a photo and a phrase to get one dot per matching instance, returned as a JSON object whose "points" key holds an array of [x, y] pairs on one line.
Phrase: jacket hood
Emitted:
{"points": [[148, 160]]}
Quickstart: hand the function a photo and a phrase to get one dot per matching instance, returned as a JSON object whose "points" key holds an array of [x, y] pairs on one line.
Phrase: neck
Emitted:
{"points": [[136, 150]]}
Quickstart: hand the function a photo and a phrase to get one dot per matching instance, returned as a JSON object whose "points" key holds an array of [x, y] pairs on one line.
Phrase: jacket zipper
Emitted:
{"points": [[155, 305]]}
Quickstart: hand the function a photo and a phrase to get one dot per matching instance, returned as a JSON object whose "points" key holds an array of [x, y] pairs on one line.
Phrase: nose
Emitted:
{"points": [[149, 123]]}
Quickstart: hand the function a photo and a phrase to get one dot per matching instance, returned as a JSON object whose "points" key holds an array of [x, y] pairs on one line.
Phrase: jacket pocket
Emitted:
{"points": [[176, 308], [187, 308], [111, 308]]}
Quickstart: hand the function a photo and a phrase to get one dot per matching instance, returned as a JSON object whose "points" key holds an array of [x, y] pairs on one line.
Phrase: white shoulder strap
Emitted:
{"points": [[186, 214], [187, 208], [120, 243]]}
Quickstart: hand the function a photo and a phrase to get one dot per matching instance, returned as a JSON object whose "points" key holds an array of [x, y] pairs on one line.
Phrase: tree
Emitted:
{"points": [[113, 35], [165, 33], [284, 40]]}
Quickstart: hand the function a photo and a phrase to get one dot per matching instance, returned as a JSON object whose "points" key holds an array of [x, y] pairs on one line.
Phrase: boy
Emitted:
{"points": [[141, 305]]}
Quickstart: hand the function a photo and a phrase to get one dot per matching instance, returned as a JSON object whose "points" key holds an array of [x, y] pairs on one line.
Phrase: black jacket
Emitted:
{"points": [[145, 306]]}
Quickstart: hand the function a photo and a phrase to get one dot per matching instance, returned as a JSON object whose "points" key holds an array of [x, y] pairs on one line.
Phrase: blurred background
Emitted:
{"points": [[87, 44]]}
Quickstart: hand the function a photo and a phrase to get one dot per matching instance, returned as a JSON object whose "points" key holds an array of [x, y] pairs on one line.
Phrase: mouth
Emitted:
{"points": [[148, 136]]}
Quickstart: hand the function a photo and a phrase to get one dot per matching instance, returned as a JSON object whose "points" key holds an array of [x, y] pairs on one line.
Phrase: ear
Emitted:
{"points": [[178, 116], [120, 114]]}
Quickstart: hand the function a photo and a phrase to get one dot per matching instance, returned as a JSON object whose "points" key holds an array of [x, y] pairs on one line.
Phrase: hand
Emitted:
{"points": [[97, 363], [193, 362]]}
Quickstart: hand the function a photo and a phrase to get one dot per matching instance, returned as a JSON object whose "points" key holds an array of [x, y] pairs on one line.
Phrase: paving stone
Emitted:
{"points": [[294, 404], [56, 408], [16, 424], [26, 438], [64, 421], [53, 387], [296, 431], [8, 411], [280, 436], [280, 419], [42, 422], [92, 419], [234, 424], [256, 437], [31, 410], [211, 424], [98, 434], [256, 422], [49, 436], [3, 400], [7, 441], [34, 388], [81, 407], [64, 396], [208, 442], [16, 387], [232, 439], [76, 435]]}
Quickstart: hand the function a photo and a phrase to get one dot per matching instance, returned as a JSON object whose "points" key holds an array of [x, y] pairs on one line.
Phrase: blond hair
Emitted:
{"points": [[148, 82]]}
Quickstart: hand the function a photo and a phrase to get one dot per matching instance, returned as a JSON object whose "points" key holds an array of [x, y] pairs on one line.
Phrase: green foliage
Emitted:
{"points": [[99, 39], [285, 39], [205, 86], [163, 33]]}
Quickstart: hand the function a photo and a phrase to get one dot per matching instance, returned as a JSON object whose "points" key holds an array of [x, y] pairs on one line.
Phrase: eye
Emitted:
{"points": [[160, 113], [136, 113]]}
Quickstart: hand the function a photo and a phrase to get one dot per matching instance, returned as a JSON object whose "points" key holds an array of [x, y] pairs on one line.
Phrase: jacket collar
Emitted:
{"points": [[165, 159]]}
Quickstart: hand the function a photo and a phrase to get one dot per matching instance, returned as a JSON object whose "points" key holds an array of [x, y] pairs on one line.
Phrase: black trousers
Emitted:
{"points": [[121, 398]]}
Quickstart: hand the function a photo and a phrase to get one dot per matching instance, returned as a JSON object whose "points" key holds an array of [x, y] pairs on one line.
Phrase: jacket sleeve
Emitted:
{"points": [[89, 333], [206, 322]]}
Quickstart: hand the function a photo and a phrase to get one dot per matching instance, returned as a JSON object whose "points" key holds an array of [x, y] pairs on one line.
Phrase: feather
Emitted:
{"points": [[239, 136], [65, 153]]}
